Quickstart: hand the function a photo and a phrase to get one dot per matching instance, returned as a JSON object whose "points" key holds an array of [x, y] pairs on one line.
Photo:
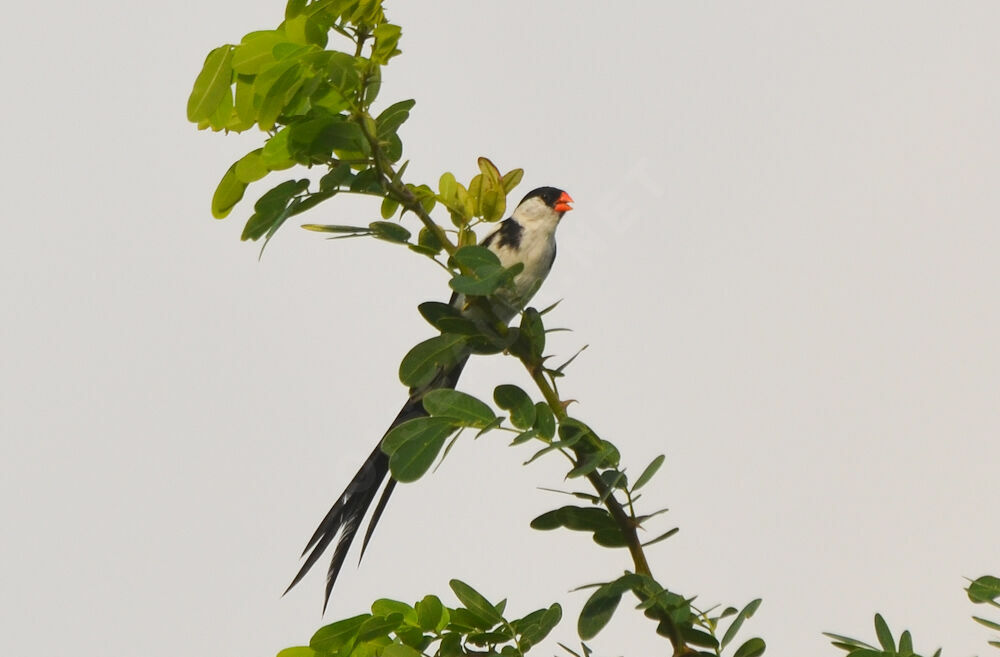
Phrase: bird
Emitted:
{"points": [[527, 237]]}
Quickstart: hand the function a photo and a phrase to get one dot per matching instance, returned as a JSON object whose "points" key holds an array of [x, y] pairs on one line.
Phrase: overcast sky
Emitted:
{"points": [[783, 257]]}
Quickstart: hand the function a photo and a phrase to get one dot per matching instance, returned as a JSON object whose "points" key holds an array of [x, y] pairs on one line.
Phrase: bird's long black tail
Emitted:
{"points": [[348, 511]]}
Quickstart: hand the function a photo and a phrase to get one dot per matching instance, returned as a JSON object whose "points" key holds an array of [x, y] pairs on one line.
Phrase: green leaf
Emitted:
{"points": [[331, 228], [737, 623], [413, 445], [846, 640], [388, 122], [211, 85], [475, 258], [553, 446], [610, 538], [271, 209], [576, 518], [256, 51], [389, 207], [305, 30], [884, 635], [695, 637], [614, 479], [399, 650], [534, 331], [537, 631], [335, 635], [906, 643], [451, 645], [276, 154], [483, 285], [276, 86], [297, 651], [514, 399], [314, 140], [662, 537], [524, 437], [511, 179], [388, 606], [223, 115], [338, 177], [343, 75], [988, 623], [475, 601], [414, 458], [431, 614], [435, 311], [648, 473], [459, 406], [491, 426], [588, 465], [421, 363], [377, 626], [386, 39], [429, 242], [368, 181], [984, 589], [389, 231], [304, 203], [545, 420], [251, 168], [227, 194], [483, 639], [448, 188], [465, 620], [294, 7], [413, 428], [492, 200], [599, 609], [751, 648], [244, 106]]}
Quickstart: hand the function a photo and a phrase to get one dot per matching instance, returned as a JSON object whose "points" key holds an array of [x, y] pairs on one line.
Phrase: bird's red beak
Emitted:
{"points": [[563, 203]]}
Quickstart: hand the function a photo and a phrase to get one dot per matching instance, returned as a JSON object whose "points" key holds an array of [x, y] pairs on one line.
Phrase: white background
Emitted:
{"points": [[783, 256]]}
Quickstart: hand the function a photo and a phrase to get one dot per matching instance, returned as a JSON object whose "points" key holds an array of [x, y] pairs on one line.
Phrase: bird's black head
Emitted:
{"points": [[553, 197]]}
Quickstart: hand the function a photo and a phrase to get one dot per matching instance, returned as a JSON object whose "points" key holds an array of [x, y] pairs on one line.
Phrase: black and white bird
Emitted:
{"points": [[528, 237]]}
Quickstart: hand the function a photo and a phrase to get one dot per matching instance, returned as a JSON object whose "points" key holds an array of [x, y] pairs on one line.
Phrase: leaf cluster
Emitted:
{"points": [[986, 590], [888, 646], [397, 629], [312, 101], [675, 616]]}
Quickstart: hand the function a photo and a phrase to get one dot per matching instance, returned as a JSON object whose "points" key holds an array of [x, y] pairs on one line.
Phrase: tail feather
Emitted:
{"points": [[350, 528], [376, 514], [345, 516]]}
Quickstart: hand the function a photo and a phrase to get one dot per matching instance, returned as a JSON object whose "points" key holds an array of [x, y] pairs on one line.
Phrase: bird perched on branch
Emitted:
{"points": [[528, 237]]}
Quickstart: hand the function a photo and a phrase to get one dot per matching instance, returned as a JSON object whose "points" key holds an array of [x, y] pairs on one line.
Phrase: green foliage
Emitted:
{"points": [[312, 102], [593, 519], [413, 445], [426, 359], [522, 408], [485, 273], [986, 590], [888, 646], [460, 407], [309, 86], [397, 629]]}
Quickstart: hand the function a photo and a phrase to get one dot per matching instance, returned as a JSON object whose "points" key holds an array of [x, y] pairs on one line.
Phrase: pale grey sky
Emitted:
{"points": [[783, 257]]}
